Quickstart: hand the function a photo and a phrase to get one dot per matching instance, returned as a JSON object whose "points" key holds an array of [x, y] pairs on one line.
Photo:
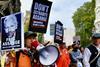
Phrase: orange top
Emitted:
{"points": [[24, 61], [64, 59]]}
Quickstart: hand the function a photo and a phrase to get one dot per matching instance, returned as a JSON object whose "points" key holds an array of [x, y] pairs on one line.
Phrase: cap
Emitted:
{"points": [[29, 33], [96, 35]]}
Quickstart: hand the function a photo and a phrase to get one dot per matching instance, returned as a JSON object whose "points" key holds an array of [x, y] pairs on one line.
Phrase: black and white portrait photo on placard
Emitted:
{"points": [[11, 31]]}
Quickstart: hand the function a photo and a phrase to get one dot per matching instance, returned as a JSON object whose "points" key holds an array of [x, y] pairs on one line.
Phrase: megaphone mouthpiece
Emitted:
{"points": [[35, 43]]}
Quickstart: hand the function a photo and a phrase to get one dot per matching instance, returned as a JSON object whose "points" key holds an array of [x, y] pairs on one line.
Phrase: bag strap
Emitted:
{"points": [[17, 58], [95, 58]]}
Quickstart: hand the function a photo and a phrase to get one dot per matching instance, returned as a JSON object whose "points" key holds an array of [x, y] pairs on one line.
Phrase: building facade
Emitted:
{"points": [[97, 14]]}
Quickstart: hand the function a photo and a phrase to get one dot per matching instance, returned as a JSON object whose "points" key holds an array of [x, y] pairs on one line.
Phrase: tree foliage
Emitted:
{"points": [[83, 20]]}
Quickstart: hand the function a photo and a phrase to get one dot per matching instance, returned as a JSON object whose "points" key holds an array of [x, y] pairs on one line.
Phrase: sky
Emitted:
{"points": [[61, 10]]}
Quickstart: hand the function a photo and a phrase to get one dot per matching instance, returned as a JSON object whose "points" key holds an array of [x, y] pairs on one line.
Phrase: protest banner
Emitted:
{"points": [[59, 32], [39, 15], [11, 35]]}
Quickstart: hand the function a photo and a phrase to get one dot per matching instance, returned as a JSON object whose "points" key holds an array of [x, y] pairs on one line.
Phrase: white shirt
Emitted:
{"points": [[86, 57]]}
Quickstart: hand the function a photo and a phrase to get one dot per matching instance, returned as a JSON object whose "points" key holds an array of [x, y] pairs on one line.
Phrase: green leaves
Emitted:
{"points": [[83, 20]]}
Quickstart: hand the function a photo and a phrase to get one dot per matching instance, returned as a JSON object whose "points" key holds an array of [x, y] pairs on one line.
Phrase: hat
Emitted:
{"points": [[96, 35], [29, 33]]}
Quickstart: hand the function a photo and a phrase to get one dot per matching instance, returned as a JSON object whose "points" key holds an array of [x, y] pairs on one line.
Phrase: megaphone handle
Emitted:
{"points": [[46, 43]]}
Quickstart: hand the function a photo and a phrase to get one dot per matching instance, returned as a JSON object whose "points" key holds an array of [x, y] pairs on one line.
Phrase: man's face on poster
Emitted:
{"points": [[10, 25]]}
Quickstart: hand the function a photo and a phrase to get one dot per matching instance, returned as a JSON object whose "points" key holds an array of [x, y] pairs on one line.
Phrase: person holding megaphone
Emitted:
{"points": [[35, 54], [23, 58], [31, 53]]}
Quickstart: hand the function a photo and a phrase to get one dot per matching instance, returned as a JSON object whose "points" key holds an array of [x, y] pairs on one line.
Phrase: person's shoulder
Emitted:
{"points": [[90, 46], [89, 49]]}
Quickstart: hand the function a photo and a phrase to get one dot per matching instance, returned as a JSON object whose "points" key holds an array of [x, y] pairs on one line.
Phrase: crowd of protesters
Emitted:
{"points": [[69, 56]]}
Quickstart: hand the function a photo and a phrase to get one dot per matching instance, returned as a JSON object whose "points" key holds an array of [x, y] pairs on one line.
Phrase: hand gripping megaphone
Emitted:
{"points": [[47, 54]]}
